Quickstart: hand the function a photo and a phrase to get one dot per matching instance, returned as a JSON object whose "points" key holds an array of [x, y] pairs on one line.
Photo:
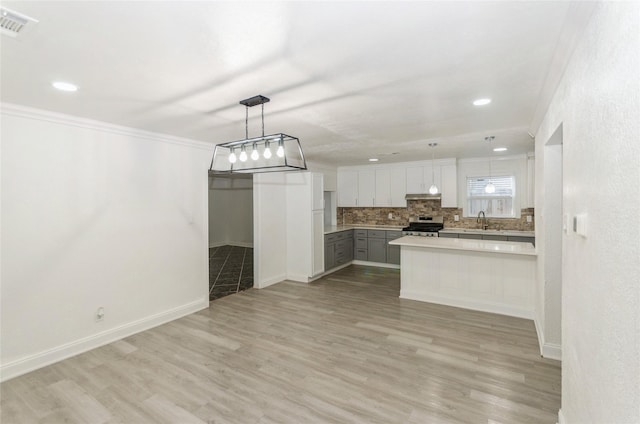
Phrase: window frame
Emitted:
{"points": [[467, 210]]}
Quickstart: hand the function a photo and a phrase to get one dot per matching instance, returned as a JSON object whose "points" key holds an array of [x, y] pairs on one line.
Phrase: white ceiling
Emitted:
{"points": [[352, 80]]}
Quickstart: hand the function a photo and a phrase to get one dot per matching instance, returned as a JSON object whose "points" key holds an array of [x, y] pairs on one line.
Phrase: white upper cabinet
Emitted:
{"points": [[420, 178], [347, 188], [383, 187], [386, 186], [366, 188], [449, 186], [398, 187], [317, 191]]}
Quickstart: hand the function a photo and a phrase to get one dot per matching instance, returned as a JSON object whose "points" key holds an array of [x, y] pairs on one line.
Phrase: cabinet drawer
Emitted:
{"points": [[340, 245], [471, 236], [330, 238], [361, 255], [340, 236], [392, 235], [376, 234], [361, 243], [494, 237], [348, 234], [360, 233], [522, 239], [448, 235]]}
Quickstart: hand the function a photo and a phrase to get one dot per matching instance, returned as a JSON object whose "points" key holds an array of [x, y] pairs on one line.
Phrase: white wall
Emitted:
{"points": [[270, 228], [95, 215], [230, 212], [598, 105]]}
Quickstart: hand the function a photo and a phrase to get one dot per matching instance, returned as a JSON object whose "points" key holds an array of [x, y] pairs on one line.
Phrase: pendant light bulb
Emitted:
{"points": [[254, 153], [434, 188], [267, 151], [490, 188], [232, 157], [243, 155], [280, 151]]}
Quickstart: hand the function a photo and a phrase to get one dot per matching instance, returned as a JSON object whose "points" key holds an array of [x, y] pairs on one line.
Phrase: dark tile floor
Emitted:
{"points": [[230, 270]]}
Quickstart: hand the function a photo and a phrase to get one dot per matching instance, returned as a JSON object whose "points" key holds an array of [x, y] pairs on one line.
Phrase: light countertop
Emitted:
{"points": [[506, 247], [488, 232], [338, 228]]}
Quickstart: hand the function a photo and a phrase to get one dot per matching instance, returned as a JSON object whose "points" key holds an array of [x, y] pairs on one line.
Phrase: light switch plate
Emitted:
{"points": [[529, 218], [456, 218]]}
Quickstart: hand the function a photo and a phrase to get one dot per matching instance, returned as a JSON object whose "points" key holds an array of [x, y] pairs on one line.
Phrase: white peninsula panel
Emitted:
{"points": [[482, 275]]}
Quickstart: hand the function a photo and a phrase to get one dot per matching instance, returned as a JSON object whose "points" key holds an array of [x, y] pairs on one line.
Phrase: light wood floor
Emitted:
{"points": [[344, 349]]}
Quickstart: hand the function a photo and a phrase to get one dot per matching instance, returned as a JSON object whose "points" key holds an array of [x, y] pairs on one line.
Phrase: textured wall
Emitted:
{"points": [[380, 216], [598, 105]]}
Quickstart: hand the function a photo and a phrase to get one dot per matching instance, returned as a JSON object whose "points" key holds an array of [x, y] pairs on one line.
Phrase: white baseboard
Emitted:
{"points": [[547, 350], [269, 281], [378, 264], [552, 351], [561, 419], [33, 362], [469, 304], [298, 278]]}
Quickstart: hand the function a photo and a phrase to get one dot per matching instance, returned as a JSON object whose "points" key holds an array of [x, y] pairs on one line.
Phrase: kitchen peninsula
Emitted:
{"points": [[491, 276]]}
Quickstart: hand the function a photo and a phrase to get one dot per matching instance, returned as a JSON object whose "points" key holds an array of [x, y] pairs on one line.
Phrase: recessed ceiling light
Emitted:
{"points": [[64, 86], [481, 102], [374, 160], [500, 149]]}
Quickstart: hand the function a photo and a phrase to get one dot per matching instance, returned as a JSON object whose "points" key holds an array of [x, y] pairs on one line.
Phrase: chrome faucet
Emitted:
{"points": [[484, 220]]}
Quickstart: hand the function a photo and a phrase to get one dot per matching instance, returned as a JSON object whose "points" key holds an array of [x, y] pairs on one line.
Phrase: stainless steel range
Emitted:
{"points": [[425, 226]]}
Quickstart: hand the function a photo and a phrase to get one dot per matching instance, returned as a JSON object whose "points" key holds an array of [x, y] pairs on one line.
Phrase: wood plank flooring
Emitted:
{"points": [[344, 349]]}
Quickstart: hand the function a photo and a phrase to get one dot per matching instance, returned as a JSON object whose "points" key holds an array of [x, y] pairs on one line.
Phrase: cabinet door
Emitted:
{"points": [[317, 265], [431, 176], [317, 191], [366, 188], [393, 254], [398, 187], [383, 188], [347, 188], [329, 255], [415, 180], [377, 250], [449, 188]]}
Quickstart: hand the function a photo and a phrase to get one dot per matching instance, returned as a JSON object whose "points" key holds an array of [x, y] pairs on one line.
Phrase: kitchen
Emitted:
{"points": [[104, 190]]}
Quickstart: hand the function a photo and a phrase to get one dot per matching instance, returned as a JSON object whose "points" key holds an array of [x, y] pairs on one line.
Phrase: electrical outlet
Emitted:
{"points": [[100, 314], [529, 218], [390, 215], [456, 218]]}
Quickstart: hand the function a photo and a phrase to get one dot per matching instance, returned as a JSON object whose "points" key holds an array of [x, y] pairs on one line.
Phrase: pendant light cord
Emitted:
{"points": [[262, 119], [246, 123]]}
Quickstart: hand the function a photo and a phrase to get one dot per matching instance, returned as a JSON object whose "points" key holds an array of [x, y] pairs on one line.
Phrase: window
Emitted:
{"points": [[495, 205]]}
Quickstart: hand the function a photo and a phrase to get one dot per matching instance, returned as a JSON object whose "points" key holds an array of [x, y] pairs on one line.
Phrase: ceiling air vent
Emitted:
{"points": [[12, 23]]}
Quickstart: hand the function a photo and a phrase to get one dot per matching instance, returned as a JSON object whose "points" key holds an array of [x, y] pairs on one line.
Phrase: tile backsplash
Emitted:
{"points": [[380, 216]]}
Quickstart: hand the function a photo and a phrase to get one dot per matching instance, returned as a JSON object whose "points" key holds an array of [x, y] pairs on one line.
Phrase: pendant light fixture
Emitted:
{"points": [[489, 188], [288, 157], [434, 188]]}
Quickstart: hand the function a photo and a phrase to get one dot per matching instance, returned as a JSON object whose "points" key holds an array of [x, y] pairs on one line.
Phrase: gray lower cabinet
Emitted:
{"points": [[338, 249], [494, 237], [377, 248], [393, 252], [522, 239], [497, 237], [360, 252]]}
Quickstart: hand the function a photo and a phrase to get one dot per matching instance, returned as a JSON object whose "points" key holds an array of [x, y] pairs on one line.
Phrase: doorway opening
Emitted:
{"points": [[230, 234], [553, 250]]}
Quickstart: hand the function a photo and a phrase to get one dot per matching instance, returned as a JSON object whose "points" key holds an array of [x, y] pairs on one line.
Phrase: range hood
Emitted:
{"points": [[423, 196]]}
